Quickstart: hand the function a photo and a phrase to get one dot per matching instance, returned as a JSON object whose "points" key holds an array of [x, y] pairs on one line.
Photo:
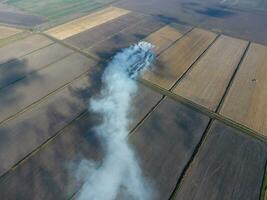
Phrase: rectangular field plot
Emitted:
{"points": [[17, 68], [107, 48], [165, 143], [146, 26], [87, 22], [246, 101], [6, 32], [36, 86], [206, 83], [12, 15], [26, 132], [23, 47], [54, 9], [111, 46], [164, 37], [229, 165], [258, 5], [173, 62], [99, 33], [106, 39], [48, 169]]}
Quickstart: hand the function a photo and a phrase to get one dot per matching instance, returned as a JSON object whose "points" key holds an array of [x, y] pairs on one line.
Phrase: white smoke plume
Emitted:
{"points": [[118, 174]]}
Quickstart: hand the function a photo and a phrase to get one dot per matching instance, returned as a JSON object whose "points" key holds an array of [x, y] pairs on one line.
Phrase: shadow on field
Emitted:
{"points": [[12, 71], [165, 144], [12, 75], [47, 174], [217, 11]]}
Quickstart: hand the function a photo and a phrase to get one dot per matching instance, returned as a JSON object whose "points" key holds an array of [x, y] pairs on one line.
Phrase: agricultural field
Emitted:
{"points": [[257, 5], [198, 122], [54, 9], [10, 15], [8, 32]]}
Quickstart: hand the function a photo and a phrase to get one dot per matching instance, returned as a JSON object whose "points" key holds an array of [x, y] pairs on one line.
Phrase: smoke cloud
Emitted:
{"points": [[118, 175]]}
